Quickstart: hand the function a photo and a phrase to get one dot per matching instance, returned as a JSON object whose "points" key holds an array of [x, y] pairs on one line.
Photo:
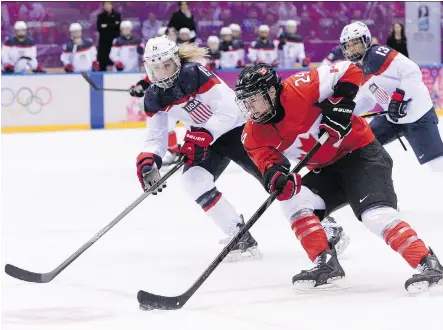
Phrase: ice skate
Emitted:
{"points": [[431, 275], [246, 248], [337, 238], [326, 275]]}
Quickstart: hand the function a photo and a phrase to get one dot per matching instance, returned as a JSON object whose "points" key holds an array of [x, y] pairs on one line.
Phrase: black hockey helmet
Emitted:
{"points": [[252, 92]]}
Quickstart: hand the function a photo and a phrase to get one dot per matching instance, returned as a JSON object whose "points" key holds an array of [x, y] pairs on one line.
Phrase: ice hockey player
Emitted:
{"points": [[291, 47], [285, 120], [264, 50], [183, 89], [213, 61], [79, 54], [231, 54], [172, 155], [19, 53], [238, 43], [395, 83], [184, 35], [126, 49]]}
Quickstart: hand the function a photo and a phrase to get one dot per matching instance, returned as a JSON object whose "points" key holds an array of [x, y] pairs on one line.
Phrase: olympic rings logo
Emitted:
{"points": [[32, 102]]}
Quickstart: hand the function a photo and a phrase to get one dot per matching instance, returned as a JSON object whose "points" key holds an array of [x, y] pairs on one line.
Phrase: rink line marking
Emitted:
{"points": [[45, 128]]}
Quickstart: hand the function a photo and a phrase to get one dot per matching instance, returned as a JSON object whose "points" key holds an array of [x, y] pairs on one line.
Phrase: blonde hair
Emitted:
{"points": [[192, 53]]}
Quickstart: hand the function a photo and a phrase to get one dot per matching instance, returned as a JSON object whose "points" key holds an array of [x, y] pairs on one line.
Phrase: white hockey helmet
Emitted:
{"points": [[213, 42], [355, 40], [235, 27], [161, 31], [225, 31], [263, 28], [75, 27], [291, 26], [20, 25], [160, 52], [126, 28], [184, 32]]}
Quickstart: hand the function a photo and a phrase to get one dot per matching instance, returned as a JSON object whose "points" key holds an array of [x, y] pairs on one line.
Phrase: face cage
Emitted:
{"points": [[164, 83], [265, 115], [355, 57]]}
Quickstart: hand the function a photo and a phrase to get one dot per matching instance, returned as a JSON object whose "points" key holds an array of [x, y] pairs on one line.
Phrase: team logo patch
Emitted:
{"points": [[380, 94], [262, 71], [198, 111]]}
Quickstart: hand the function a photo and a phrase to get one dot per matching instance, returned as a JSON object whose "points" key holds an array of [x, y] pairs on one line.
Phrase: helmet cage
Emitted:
{"points": [[256, 94], [170, 54], [354, 57]]}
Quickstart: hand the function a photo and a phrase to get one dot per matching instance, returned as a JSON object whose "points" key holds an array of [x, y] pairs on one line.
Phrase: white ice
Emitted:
{"points": [[59, 189]]}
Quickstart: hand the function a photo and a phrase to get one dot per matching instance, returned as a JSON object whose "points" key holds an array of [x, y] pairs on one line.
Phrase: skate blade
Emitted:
{"points": [[333, 284], [250, 254], [342, 244], [423, 286]]}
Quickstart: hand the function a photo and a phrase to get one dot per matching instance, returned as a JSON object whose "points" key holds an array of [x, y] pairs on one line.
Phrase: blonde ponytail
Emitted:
{"points": [[192, 53]]}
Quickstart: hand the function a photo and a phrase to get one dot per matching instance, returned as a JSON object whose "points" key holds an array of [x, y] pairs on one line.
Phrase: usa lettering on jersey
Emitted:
{"points": [[198, 111]]}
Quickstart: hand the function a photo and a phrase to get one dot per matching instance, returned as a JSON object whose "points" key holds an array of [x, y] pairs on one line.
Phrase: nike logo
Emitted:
{"points": [[420, 157], [361, 200]]}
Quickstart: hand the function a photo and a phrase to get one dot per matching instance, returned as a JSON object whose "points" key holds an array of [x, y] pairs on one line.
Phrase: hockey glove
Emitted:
{"points": [[39, 69], [139, 89], [68, 68], [397, 106], [119, 66], [337, 113], [196, 146], [306, 61], [148, 166], [9, 68], [95, 66], [277, 177]]}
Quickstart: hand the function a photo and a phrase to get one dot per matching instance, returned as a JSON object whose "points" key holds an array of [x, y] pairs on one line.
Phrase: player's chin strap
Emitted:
{"points": [[374, 114]]}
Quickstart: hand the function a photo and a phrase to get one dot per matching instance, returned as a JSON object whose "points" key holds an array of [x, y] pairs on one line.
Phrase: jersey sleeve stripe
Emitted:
{"points": [[208, 85], [383, 68]]}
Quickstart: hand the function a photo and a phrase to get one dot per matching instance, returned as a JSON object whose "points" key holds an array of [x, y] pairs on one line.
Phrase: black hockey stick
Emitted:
{"points": [[374, 114], [149, 301], [97, 88], [28, 276]]}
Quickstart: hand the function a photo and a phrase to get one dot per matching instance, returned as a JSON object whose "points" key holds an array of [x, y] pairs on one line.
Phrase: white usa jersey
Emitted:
{"points": [[20, 54], [80, 56], [127, 51], [384, 70], [198, 98]]}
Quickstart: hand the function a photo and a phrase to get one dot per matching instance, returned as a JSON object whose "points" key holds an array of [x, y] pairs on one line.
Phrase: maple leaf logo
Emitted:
{"points": [[307, 143]]}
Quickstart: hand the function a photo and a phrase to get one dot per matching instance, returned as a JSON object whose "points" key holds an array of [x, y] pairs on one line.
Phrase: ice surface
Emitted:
{"points": [[58, 189]]}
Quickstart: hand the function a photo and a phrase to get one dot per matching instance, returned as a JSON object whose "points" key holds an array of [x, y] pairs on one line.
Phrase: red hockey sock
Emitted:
{"points": [[172, 142], [403, 239], [311, 235]]}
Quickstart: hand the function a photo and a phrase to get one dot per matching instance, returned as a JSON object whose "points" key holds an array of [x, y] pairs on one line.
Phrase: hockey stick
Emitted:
{"points": [[374, 114], [149, 301], [28, 276], [97, 88]]}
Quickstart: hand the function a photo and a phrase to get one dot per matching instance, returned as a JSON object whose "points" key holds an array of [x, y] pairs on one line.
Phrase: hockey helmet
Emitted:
{"points": [[254, 94], [20, 28], [213, 43], [126, 28], [161, 61], [355, 40]]}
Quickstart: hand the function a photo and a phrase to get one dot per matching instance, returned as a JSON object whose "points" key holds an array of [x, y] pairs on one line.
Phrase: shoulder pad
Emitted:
{"points": [[8, 41], [375, 58], [151, 101], [136, 40], [68, 46], [88, 42], [29, 42], [193, 76]]}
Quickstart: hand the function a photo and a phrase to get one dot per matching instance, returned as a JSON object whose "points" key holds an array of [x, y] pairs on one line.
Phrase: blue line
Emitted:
{"points": [[96, 103]]}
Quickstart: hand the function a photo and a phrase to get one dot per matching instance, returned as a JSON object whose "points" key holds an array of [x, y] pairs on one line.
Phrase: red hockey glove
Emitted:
{"points": [[277, 177], [196, 145], [68, 68], [39, 69], [306, 61], [337, 113], [9, 68], [95, 66], [397, 106], [119, 66], [148, 165]]}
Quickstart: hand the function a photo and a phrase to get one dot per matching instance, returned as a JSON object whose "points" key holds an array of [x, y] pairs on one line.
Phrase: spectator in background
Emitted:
{"points": [[287, 10], [108, 26], [183, 18], [150, 26], [397, 39]]}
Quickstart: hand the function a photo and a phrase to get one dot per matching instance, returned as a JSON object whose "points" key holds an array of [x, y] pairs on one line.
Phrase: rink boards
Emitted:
{"points": [[58, 101]]}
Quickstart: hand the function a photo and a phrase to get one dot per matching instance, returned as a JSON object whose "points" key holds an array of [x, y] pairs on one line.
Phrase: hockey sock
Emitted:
{"points": [[403, 239], [219, 210], [311, 235], [172, 142]]}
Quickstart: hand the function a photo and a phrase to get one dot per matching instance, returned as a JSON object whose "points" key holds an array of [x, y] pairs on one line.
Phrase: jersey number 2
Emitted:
{"points": [[304, 77]]}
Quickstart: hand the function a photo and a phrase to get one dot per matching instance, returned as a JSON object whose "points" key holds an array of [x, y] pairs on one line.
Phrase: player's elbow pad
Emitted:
{"points": [[347, 90]]}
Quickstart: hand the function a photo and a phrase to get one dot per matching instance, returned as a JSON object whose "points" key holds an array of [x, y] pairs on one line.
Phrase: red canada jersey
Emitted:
{"points": [[298, 131]]}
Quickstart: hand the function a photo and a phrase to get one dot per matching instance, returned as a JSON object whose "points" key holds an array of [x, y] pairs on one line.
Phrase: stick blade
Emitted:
{"points": [[151, 301], [25, 275], [89, 80]]}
